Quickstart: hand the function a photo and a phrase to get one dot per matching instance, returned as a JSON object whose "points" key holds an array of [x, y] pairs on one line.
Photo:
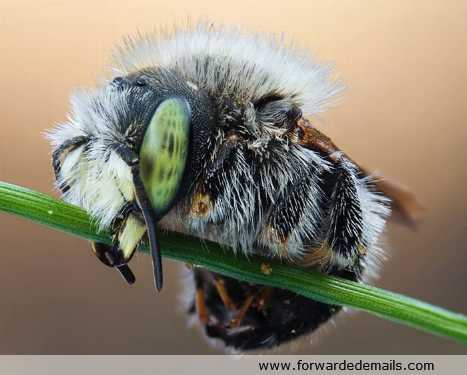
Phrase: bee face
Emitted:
{"points": [[206, 134], [132, 149]]}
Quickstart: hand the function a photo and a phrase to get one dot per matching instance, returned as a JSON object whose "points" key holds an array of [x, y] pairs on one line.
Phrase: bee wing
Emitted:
{"points": [[405, 207]]}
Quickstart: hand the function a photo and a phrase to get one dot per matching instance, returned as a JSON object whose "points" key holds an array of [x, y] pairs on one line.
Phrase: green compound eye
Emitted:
{"points": [[163, 153]]}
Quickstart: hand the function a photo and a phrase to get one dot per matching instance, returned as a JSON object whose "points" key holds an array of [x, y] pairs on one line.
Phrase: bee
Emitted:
{"points": [[207, 131]]}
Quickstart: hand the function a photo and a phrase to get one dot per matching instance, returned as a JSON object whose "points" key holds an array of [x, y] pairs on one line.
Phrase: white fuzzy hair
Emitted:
{"points": [[256, 63], [375, 211], [99, 180]]}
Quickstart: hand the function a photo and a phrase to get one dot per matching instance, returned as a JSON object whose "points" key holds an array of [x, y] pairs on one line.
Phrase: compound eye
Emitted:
{"points": [[163, 153]]}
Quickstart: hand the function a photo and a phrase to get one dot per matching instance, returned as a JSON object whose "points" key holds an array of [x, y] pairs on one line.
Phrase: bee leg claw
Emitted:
{"points": [[116, 257], [127, 273], [111, 256]]}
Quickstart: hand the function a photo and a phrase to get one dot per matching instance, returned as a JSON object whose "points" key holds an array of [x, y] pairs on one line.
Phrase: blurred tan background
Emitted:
{"points": [[404, 112]]}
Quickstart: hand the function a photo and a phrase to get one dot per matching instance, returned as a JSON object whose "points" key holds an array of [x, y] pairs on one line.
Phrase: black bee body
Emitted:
{"points": [[205, 133]]}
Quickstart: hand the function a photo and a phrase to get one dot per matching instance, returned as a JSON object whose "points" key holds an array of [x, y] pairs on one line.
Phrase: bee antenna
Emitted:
{"points": [[150, 220]]}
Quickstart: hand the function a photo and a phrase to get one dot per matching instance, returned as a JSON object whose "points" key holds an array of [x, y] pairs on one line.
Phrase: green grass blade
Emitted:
{"points": [[329, 289]]}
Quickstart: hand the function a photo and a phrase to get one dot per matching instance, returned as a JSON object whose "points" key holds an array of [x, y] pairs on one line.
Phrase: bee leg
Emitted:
{"points": [[263, 298], [201, 306], [112, 257], [343, 237], [223, 293], [57, 154], [128, 231], [200, 299], [237, 320], [260, 298], [127, 274]]}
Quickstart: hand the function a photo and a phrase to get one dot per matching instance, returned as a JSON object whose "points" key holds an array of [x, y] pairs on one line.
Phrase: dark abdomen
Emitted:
{"points": [[263, 317]]}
